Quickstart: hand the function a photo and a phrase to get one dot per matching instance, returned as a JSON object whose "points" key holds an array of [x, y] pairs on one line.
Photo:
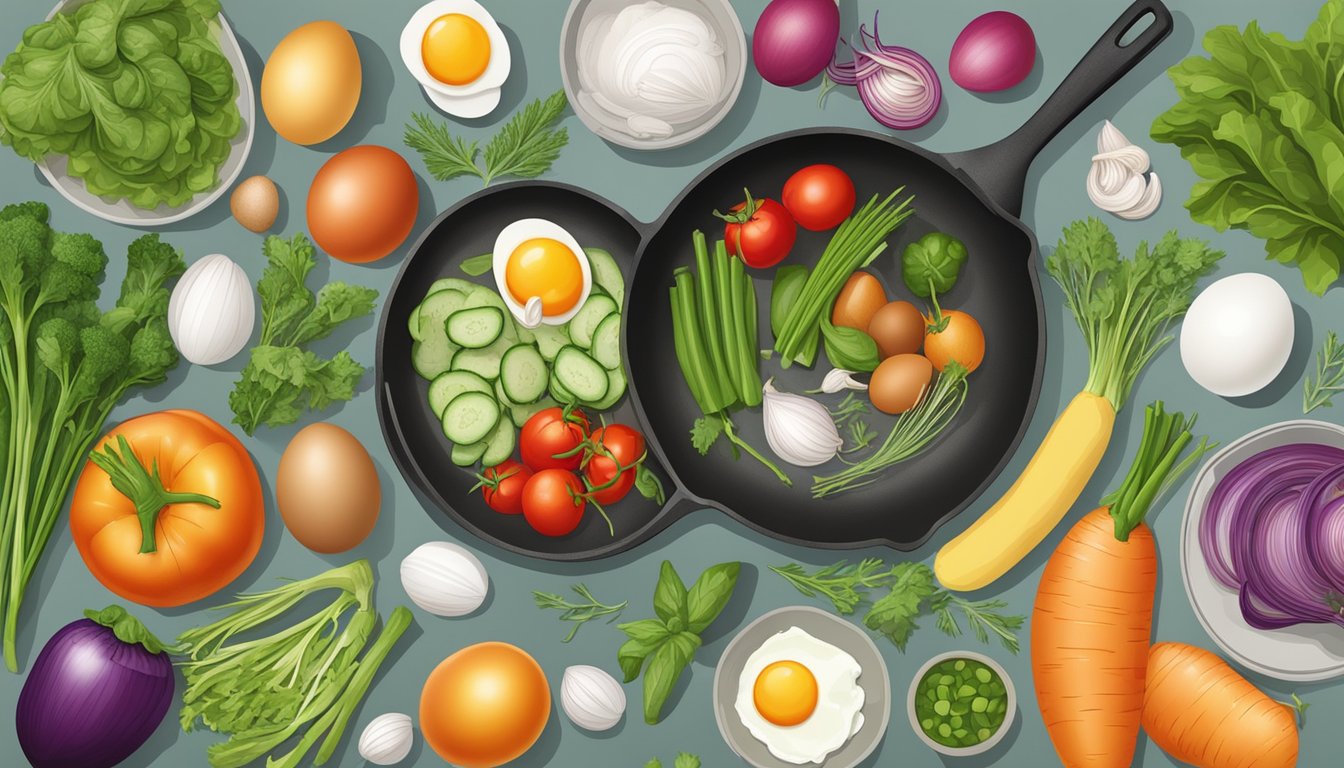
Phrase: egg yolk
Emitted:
{"points": [[548, 269], [455, 49], [785, 693]]}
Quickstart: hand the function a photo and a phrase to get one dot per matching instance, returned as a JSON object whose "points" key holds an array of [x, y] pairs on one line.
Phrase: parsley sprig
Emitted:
{"points": [[525, 147], [911, 594]]}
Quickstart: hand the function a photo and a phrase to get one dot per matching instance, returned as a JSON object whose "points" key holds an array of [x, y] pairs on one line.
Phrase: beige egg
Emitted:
{"points": [[310, 86], [327, 489], [255, 203], [898, 383]]}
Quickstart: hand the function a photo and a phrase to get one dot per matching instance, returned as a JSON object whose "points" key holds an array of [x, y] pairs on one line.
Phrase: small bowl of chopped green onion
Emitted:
{"points": [[961, 703]]}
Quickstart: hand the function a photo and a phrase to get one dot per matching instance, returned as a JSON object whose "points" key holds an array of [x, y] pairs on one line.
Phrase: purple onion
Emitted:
{"points": [[97, 691], [1273, 530], [994, 52], [795, 40], [898, 86]]}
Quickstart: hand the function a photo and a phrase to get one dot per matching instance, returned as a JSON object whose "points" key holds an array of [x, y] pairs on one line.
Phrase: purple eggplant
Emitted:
{"points": [[95, 694]]}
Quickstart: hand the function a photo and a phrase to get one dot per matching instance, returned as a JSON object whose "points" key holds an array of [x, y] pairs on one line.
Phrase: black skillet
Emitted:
{"points": [[975, 196]]}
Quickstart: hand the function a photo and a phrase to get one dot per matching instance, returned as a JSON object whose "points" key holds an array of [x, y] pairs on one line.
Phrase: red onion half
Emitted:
{"points": [[898, 86]]}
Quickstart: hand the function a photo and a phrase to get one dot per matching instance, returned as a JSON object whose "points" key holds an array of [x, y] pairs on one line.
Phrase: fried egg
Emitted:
{"points": [[541, 272], [458, 54], [800, 697]]}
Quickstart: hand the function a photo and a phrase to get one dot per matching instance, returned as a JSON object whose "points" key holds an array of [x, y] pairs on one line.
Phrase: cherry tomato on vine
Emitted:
{"points": [[819, 197], [553, 502], [551, 432], [761, 232], [613, 462], [502, 486]]}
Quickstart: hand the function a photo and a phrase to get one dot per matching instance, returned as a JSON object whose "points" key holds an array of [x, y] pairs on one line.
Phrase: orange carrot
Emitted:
{"points": [[1200, 711], [1092, 620]]}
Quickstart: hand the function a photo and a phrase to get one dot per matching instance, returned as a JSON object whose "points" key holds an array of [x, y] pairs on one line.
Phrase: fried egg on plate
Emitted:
{"points": [[458, 54], [800, 697], [541, 272]]}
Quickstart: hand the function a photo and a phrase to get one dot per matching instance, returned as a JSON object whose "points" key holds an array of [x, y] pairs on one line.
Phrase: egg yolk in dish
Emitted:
{"points": [[785, 693], [548, 269], [455, 49]]}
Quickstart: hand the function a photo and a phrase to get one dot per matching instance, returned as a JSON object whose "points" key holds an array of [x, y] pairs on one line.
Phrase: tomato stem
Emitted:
{"points": [[145, 489], [940, 321]]}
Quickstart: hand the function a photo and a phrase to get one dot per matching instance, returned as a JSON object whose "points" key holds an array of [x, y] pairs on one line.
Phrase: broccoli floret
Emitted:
{"points": [[82, 252], [61, 282], [105, 356], [57, 342], [28, 237], [32, 209], [153, 353]]}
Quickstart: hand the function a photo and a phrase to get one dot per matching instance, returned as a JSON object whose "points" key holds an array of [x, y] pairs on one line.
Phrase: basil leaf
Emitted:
{"points": [[631, 657], [669, 597], [665, 668], [479, 265], [710, 593], [645, 630], [849, 348], [784, 292], [932, 264]]}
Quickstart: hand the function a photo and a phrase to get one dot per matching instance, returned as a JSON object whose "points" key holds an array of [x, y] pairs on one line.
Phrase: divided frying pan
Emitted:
{"points": [[975, 196]]}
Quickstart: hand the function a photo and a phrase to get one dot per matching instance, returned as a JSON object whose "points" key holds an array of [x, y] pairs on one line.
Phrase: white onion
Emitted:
{"points": [[800, 430], [1117, 182], [387, 739], [592, 698], [444, 579], [211, 311]]}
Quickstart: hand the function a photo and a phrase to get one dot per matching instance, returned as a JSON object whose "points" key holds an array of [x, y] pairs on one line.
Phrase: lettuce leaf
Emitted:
{"points": [[136, 93], [1259, 121]]}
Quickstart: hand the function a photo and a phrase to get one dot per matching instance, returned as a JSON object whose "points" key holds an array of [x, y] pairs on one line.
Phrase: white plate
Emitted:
{"points": [[1302, 653], [122, 211]]}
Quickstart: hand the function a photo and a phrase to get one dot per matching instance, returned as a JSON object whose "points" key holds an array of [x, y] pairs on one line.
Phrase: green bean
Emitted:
{"points": [[694, 366], [731, 373], [710, 325], [744, 342]]}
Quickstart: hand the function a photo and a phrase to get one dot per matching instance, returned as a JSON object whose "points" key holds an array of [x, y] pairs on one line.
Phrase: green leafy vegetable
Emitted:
{"points": [[912, 593], [282, 379], [478, 265], [1124, 307], [1259, 121], [264, 690], [932, 264], [525, 147], [683, 760], [662, 648], [1320, 387], [64, 365], [136, 94], [849, 348], [579, 613]]}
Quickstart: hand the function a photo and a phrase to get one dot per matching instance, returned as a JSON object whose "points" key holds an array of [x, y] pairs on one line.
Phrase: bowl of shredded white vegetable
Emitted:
{"points": [[654, 74]]}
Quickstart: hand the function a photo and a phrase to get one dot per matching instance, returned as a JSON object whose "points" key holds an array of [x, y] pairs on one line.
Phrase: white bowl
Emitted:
{"points": [[122, 211], [983, 746]]}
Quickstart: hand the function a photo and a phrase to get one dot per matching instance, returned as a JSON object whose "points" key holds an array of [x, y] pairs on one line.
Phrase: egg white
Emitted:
{"points": [[460, 100], [837, 717], [514, 235]]}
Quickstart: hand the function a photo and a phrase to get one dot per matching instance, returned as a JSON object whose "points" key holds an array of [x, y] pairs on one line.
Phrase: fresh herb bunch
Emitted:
{"points": [[930, 266], [684, 760], [282, 378], [264, 690], [579, 613], [663, 647], [525, 147], [1320, 388], [912, 593], [1125, 306], [64, 364]]}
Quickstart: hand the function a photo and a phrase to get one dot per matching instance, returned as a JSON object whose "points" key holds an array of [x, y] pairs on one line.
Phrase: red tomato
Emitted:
{"points": [[619, 451], [553, 502], [549, 432], [763, 235], [502, 486], [819, 197]]}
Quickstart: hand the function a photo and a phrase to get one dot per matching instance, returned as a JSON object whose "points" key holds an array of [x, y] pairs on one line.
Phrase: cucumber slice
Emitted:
{"points": [[596, 309], [559, 394], [523, 374], [580, 374], [476, 327], [607, 342], [499, 445], [615, 391], [470, 417], [502, 396], [432, 356], [487, 297], [551, 339], [607, 274], [467, 455], [447, 386], [435, 309], [483, 362], [464, 287], [521, 413]]}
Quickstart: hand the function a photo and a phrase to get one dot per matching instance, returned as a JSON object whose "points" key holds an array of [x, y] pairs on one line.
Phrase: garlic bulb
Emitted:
{"points": [[592, 698], [1117, 183], [799, 429], [211, 311], [838, 380], [444, 579], [387, 739]]}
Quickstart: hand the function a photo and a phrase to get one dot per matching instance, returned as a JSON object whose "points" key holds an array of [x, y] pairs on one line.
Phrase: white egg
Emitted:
{"points": [[1237, 334], [551, 274], [837, 716], [473, 99]]}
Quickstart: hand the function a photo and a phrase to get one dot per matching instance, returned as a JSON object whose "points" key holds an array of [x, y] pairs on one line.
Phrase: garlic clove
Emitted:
{"points": [[838, 380], [387, 739], [798, 429], [1119, 180], [444, 579], [591, 698]]}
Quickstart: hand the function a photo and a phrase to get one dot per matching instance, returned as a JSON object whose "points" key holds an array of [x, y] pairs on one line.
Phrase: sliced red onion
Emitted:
{"points": [[899, 87]]}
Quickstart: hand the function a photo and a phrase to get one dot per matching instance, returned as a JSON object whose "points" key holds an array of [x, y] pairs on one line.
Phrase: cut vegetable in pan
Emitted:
{"points": [[1092, 621], [1124, 310]]}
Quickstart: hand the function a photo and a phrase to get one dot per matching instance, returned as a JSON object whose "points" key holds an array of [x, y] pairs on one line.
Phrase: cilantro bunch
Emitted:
{"points": [[64, 365]]}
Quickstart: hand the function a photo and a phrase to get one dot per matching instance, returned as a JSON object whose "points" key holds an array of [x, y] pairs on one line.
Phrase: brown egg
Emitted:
{"points": [[362, 204], [898, 329], [858, 301], [255, 203], [327, 489], [898, 382], [310, 86]]}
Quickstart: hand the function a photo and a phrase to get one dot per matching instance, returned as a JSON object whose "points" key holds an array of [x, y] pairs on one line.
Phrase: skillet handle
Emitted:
{"points": [[1000, 168]]}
